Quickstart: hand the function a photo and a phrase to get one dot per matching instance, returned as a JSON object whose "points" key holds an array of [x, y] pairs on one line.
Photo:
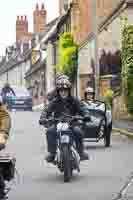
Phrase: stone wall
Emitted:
{"points": [[119, 110]]}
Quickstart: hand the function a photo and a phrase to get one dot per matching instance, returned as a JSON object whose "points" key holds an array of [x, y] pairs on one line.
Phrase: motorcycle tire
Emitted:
{"points": [[66, 163]]}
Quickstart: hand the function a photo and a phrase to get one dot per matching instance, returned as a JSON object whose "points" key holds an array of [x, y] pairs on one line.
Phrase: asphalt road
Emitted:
{"points": [[101, 178]]}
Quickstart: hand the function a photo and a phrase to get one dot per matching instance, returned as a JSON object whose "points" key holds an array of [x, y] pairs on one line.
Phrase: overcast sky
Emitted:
{"points": [[9, 9]]}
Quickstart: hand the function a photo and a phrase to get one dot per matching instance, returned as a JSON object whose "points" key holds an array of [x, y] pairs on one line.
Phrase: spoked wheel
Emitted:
{"points": [[66, 163]]}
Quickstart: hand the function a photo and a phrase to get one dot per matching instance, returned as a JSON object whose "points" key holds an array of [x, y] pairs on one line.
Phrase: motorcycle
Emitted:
{"points": [[67, 157]]}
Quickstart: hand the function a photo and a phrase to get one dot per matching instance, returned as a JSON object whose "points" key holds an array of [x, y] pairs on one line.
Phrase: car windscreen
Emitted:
{"points": [[21, 92]]}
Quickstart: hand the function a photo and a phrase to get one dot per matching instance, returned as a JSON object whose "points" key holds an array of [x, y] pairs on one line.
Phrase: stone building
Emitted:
{"points": [[109, 42]]}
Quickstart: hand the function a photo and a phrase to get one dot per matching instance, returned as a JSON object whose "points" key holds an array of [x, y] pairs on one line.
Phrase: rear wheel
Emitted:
{"points": [[66, 163]]}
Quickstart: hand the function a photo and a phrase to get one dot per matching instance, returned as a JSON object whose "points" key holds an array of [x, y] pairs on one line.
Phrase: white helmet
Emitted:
{"points": [[89, 90], [63, 82]]}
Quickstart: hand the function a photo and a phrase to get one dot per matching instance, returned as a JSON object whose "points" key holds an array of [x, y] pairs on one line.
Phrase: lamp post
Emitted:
{"points": [[95, 32]]}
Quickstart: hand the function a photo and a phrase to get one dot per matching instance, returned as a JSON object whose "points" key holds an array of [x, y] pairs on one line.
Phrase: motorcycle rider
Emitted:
{"points": [[7, 89], [51, 95], [64, 103]]}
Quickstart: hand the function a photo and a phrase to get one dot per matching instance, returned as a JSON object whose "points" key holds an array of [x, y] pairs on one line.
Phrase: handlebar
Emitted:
{"points": [[64, 118], [68, 118]]}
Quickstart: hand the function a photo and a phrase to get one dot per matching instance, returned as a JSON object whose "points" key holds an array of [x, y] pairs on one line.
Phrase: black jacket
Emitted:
{"points": [[71, 106]]}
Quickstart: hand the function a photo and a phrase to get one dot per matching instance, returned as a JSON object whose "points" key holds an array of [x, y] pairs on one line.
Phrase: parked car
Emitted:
{"points": [[100, 124], [22, 100]]}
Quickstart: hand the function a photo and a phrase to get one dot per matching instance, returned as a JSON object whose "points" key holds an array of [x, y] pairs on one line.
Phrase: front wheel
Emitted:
{"points": [[66, 163]]}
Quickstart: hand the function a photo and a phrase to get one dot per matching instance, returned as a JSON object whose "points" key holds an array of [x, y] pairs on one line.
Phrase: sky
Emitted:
{"points": [[9, 9]]}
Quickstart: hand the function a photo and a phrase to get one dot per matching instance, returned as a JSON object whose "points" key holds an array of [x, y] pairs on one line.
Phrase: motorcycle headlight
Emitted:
{"points": [[62, 126]]}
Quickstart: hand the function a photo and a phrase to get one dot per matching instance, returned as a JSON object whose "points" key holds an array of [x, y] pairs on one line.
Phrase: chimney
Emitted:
{"points": [[21, 27], [39, 17]]}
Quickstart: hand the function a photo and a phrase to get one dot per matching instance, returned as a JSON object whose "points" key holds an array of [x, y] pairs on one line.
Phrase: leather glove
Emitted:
{"points": [[87, 117]]}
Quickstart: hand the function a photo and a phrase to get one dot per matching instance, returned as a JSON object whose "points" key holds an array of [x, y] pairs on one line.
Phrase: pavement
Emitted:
{"points": [[124, 127]]}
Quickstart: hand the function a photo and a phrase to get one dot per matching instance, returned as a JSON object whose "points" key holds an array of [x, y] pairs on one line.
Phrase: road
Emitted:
{"points": [[101, 177]]}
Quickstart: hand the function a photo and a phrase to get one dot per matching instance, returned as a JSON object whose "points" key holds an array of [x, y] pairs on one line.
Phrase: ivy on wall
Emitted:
{"points": [[127, 65], [68, 56]]}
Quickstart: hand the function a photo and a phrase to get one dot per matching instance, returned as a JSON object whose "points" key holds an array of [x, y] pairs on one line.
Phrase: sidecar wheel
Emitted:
{"points": [[107, 137]]}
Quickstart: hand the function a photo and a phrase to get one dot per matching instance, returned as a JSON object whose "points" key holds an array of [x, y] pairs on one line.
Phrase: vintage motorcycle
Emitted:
{"points": [[67, 157]]}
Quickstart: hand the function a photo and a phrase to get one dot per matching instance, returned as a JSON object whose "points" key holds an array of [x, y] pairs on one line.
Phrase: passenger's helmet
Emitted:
{"points": [[89, 90], [63, 82]]}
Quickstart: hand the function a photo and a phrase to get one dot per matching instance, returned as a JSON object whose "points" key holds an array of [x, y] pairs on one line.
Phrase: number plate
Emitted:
{"points": [[19, 102], [65, 139]]}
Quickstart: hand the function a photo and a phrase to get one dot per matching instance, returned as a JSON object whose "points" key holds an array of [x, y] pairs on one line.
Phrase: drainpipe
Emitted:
{"points": [[78, 76], [95, 32], [7, 77]]}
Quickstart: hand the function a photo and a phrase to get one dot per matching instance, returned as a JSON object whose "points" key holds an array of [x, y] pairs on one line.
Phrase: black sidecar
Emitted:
{"points": [[100, 124]]}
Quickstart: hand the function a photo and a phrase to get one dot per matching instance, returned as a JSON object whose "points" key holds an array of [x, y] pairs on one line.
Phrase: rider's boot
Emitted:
{"points": [[51, 145], [50, 157], [82, 153]]}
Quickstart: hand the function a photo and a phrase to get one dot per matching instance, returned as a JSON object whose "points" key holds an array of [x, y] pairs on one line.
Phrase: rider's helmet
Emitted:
{"points": [[63, 82], [89, 91]]}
